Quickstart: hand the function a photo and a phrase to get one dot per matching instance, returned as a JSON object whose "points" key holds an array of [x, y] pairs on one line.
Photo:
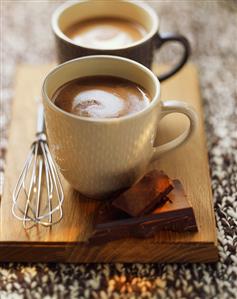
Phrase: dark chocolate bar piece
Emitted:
{"points": [[176, 214], [141, 198], [177, 209]]}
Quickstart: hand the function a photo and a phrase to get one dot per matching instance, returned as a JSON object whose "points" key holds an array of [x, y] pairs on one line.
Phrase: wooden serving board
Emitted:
{"points": [[64, 241]]}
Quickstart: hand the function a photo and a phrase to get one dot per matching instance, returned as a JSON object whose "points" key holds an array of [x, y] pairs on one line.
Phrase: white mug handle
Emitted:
{"points": [[168, 107]]}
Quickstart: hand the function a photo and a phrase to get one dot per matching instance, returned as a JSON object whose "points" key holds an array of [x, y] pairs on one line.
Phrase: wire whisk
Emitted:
{"points": [[38, 195]]}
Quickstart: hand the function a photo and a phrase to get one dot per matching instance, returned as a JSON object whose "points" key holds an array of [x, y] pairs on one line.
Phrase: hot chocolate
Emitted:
{"points": [[105, 33], [101, 97]]}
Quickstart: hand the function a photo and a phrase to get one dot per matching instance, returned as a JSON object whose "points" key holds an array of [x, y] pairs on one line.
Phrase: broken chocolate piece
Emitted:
{"points": [[175, 215], [177, 208], [142, 198], [112, 224]]}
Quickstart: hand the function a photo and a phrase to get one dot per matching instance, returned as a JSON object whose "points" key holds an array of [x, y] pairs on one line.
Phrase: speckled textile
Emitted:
{"points": [[211, 26]]}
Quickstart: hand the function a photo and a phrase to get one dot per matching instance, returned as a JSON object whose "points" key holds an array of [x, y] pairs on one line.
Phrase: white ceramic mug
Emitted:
{"points": [[99, 156]]}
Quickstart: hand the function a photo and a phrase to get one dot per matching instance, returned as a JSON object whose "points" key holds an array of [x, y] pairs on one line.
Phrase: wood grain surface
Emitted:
{"points": [[64, 242]]}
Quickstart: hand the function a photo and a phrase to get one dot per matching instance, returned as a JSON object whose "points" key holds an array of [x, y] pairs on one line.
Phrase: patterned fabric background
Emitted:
{"points": [[211, 27]]}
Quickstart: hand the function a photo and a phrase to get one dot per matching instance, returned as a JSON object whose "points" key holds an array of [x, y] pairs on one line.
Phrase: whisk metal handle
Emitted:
{"points": [[40, 121]]}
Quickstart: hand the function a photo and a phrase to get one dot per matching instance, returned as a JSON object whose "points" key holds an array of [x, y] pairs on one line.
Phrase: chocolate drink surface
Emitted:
{"points": [[105, 33], [101, 97]]}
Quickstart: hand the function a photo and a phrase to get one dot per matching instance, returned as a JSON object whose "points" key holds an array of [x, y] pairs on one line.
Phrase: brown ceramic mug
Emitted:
{"points": [[141, 51]]}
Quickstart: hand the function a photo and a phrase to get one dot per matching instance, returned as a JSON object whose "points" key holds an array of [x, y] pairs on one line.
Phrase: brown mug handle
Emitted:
{"points": [[163, 38]]}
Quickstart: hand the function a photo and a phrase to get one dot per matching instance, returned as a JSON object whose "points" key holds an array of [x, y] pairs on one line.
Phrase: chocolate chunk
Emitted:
{"points": [[111, 224], [175, 213], [141, 198]]}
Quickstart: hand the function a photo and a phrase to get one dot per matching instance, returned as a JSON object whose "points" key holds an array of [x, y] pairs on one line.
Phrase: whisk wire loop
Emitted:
{"points": [[38, 195]]}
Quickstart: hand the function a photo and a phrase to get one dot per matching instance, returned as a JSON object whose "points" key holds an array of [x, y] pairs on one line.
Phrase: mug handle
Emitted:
{"points": [[163, 38], [168, 107]]}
